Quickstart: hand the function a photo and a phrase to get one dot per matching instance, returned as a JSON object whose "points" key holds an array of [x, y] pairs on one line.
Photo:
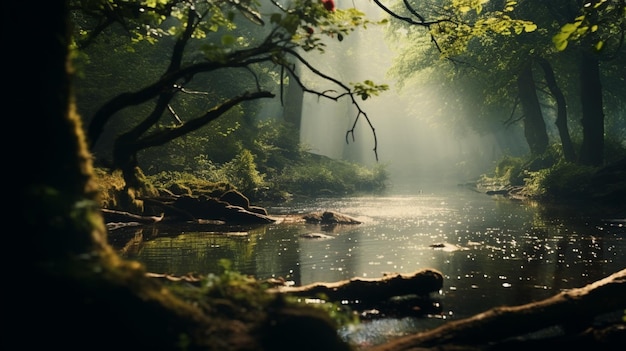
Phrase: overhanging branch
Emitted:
{"points": [[325, 94], [169, 134]]}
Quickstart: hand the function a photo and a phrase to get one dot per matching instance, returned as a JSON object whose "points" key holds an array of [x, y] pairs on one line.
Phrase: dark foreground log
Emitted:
{"points": [[572, 312], [370, 291]]}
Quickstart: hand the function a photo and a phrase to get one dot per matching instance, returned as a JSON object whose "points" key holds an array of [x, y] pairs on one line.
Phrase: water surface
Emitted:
{"points": [[492, 251]]}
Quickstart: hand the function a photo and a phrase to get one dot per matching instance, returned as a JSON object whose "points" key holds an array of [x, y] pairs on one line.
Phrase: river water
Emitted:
{"points": [[492, 251]]}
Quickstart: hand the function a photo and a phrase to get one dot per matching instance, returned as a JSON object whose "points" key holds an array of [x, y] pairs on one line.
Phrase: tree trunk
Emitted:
{"points": [[592, 149], [561, 113], [292, 102], [60, 170], [71, 290], [534, 125], [497, 329]]}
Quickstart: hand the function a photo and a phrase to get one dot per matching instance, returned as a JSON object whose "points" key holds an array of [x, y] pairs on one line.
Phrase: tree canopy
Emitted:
{"points": [[220, 56], [501, 54]]}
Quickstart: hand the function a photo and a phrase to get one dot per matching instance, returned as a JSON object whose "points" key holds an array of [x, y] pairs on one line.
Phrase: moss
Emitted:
{"points": [[562, 181], [109, 185], [510, 170]]}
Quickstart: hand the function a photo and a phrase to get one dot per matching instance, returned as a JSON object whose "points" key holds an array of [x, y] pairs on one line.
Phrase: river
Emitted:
{"points": [[491, 250]]}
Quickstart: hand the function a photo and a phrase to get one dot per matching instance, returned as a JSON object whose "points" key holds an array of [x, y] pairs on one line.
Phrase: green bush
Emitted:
{"points": [[320, 175], [561, 181], [510, 170], [242, 172]]}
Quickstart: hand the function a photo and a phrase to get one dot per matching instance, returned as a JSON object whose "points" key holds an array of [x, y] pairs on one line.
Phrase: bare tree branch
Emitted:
{"points": [[336, 97]]}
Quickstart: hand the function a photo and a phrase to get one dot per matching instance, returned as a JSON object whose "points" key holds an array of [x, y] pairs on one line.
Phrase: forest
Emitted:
{"points": [[160, 91]]}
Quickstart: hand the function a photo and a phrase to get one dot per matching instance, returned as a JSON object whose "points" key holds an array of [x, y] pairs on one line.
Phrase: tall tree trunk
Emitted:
{"points": [[592, 149], [70, 290], [534, 125], [561, 113], [57, 178], [293, 99]]}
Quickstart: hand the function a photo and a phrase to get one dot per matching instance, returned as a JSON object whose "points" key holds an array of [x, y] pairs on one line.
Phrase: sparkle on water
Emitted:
{"points": [[491, 251]]}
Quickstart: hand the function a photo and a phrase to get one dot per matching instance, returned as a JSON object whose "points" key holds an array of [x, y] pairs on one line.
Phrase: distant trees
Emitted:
{"points": [[224, 53], [496, 49]]}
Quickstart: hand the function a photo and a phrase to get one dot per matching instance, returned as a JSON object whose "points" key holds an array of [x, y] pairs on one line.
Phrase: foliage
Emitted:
{"points": [[486, 43], [274, 145], [243, 173], [270, 157], [368, 88], [510, 170], [176, 181], [246, 298], [466, 20], [481, 46], [514, 170], [109, 185], [562, 181], [600, 23], [549, 177], [331, 177], [207, 61]]}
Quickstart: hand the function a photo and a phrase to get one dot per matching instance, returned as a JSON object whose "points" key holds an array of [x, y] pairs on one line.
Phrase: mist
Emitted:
{"points": [[413, 145]]}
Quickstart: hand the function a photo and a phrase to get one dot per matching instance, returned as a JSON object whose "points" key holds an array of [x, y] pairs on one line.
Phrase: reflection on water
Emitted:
{"points": [[492, 251]]}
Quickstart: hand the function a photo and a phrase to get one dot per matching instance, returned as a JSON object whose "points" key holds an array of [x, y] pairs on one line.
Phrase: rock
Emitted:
{"points": [[239, 215], [204, 207], [315, 236], [329, 217], [235, 198], [448, 247]]}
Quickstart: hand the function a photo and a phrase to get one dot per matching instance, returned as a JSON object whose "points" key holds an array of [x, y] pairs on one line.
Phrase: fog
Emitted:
{"points": [[414, 146]]}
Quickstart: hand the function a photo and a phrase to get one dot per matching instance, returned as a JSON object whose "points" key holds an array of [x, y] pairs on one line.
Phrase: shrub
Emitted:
{"points": [[561, 181], [243, 173], [510, 170]]}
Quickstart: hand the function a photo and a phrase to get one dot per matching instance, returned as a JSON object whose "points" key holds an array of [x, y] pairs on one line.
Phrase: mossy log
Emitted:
{"points": [[573, 312], [122, 216], [370, 291]]}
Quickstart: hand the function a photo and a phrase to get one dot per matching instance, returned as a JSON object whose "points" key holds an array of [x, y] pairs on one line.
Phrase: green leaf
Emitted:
{"points": [[599, 45], [569, 28], [530, 27], [560, 44]]}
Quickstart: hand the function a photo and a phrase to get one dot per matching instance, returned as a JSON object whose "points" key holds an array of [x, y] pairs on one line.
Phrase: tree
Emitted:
{"points": [[469, 42], [534, 125], [598, 29], [478, 40], [73, 275], [75, 292], [210, 37]]}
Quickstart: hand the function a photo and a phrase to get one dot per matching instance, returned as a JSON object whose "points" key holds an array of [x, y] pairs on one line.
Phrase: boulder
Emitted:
{"points": [[329, 217], [235, 198]]}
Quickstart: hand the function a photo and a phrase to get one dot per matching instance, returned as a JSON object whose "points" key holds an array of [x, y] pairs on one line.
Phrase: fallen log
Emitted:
{"points": [[573, 311], [370, 291], [111, 216]]}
